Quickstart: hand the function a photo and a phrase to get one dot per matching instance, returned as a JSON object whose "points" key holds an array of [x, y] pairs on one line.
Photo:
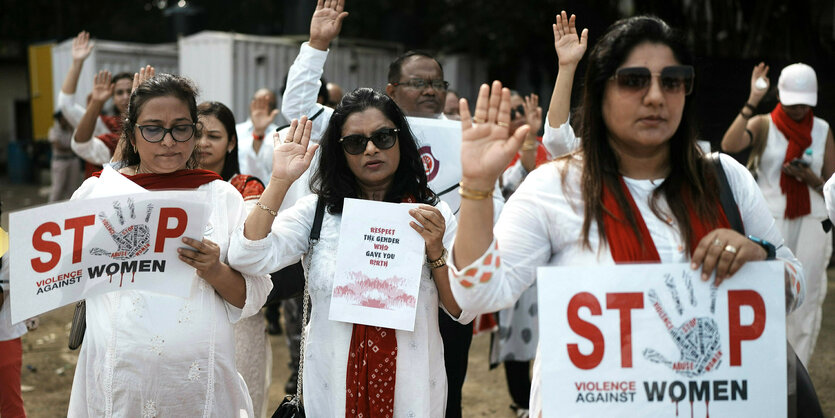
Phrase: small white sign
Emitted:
{"points": [[65, 252], [439, 145], [379, 263], [654, 340]]}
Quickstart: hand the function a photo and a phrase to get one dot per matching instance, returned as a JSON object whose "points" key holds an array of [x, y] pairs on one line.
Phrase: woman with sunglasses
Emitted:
{"points": [[637, 190], [149, 354], [368, 152], [792, 155]]}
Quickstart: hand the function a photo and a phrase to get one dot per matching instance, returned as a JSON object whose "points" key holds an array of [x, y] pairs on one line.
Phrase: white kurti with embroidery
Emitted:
{"points": [[420, 387], [541, 225], [151, 355]]}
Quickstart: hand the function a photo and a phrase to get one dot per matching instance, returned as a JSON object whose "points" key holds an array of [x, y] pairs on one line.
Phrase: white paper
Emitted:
{"points": [[65, 252], [439, 144], [694, 347], [378, 266]]}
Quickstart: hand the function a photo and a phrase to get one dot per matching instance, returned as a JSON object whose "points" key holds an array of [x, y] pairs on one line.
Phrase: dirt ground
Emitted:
{"points": [[48, 365]]}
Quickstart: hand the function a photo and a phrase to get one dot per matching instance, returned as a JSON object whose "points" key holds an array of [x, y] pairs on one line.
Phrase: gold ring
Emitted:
{"points": [[477, 120], [731, 249], [503, 124], [717, 242], [288, 140]]}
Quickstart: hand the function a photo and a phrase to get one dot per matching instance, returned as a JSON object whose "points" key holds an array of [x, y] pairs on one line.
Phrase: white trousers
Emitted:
{"points": [[805, 237], [66, 177]]}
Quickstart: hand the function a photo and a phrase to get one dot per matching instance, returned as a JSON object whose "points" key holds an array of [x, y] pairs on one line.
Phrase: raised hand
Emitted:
{"points": [[261, 115], [486, 144], [82, 46], [326, 22], [144, 73], [292, 157], [758, 91], [102, 87], [570, 47], [533, 113]]}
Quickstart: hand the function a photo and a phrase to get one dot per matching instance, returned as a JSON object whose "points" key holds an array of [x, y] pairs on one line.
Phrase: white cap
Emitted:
{"points": [[798, 85]]}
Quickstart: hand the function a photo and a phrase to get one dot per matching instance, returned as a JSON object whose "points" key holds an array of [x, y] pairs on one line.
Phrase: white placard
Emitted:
{"points": [[65, 252], [378, 265], [439, 145], [654, 340]]}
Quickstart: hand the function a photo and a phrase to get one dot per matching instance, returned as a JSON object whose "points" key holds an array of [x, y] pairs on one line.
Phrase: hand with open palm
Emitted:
{"points": [[326, 22], [486, 144], [569, 46], [102, 87], [292, 157], [82, 46]]}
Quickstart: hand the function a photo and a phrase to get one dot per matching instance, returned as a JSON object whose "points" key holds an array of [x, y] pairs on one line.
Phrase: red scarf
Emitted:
{"points": [[249, 187], [181, 179], [799, 135], [372, 370], [625, 245], [114, 123], [111, 139]]}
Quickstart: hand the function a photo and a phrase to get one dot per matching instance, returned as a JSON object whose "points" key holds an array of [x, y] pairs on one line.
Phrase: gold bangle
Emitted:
{"points": [[529, 146], [473, 194], [261, 205]]}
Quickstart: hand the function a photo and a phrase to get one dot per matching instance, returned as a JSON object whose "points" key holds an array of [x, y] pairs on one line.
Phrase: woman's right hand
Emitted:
{"points": [[569, 46], [145, 73], [102, 87], [486, 144], [292, 157], [326, 23], [757, 94], [81, 46]]}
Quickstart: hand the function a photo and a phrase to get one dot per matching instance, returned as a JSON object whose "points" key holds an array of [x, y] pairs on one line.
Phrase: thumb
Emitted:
{"points": [[273, 114], [341, 17], [515, 142]]}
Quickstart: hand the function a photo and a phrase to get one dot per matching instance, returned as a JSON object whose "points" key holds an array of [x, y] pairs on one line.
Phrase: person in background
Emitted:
{"points": [[533, 153], [638, 161], [11, 350], [451, 105], [792, 154], [334, 95], [64, 167], [254, 158], [81, 48]]}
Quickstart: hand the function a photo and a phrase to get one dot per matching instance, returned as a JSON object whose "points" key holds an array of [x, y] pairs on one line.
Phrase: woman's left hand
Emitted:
{"points": [[725, 251], [533, 113], [205, 257], [431, 226]]}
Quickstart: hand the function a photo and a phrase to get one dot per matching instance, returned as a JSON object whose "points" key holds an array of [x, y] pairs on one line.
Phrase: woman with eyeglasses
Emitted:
{"points": [[367, 152], [792, 155], [149, 354], [637, 190]]}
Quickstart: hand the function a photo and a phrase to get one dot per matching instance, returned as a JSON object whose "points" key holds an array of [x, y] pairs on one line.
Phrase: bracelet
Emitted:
{"points": [[261, 205], [257, 137], [750, 106], [532, 146], [473, 194], [440, 262], [744, 116]]}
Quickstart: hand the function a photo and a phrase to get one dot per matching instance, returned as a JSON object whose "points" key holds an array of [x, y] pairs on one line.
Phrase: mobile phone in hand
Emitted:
{"points": [[797, 162]]}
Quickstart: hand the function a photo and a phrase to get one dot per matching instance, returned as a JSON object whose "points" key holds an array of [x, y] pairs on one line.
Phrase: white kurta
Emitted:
{"points": [[151, 355], [541, 225], [255, 163], [804, 235], [421, 387]]}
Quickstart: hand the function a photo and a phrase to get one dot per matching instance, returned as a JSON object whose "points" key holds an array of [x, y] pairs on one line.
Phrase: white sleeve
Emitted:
{"points": [[284, 245], [449, 237], [759, 223], [93, 151], [73, 112], [560, 141], [302, 90], [829, 197]]}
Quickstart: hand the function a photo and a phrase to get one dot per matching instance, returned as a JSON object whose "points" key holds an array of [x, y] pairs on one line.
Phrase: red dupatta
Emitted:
{"points": [[799, 136]]}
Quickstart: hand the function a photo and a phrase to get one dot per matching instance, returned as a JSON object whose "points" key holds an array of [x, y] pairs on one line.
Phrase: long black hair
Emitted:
{"points": [[227, 119], [690, 182], [333, 180]]}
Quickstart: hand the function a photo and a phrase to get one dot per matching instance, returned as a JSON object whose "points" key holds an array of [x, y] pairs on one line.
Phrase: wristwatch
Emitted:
{"points": [[440, 262], [771, 252]]}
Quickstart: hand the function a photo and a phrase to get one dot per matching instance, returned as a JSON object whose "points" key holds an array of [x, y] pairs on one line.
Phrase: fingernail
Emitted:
{"points": [[693, 266], [705, 276]]}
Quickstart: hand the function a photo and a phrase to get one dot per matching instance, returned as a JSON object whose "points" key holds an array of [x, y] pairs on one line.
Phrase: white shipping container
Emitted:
{"points": [[113, 56]]}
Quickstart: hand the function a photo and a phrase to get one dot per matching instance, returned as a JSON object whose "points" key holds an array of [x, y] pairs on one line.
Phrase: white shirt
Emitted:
{"points": [[148, 354], [8, 331], [420, 388], [258, 164], [542, 222], [73, 112]]}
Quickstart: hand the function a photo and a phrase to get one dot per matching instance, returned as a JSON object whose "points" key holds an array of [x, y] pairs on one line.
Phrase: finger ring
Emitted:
{"points": [[288, 140], [731, 249], [477, 120], [503, 124], [717, 242]]}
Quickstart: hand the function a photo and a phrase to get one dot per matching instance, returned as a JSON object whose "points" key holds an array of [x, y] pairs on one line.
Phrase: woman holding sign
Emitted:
{"points": [[368, 152], [149, 354], [637, 190]]}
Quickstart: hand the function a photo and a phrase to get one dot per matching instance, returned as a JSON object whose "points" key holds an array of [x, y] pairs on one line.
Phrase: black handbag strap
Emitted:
{"points": [[317, 220], [726, 195]]}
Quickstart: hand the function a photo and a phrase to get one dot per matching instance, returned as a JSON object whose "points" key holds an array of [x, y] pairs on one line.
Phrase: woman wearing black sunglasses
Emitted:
{"points": [[637, 190], [368, 152]]}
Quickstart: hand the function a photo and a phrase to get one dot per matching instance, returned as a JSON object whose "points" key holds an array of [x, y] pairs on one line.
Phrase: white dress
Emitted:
{"points": [[151, 355], [421, 387], [804, 235], [541, 225]]}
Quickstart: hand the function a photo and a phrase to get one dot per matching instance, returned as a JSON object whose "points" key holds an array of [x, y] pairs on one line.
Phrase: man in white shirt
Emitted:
{"points": [[254, 158]]}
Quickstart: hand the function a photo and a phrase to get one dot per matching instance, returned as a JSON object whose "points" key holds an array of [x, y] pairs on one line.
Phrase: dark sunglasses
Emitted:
{"points": [[520, 110], [154, 133], [382, 139], [674, 79]]}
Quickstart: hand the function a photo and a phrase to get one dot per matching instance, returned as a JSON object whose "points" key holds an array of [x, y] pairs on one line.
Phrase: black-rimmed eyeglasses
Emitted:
{"points": [[421, 83], [179, 133]]}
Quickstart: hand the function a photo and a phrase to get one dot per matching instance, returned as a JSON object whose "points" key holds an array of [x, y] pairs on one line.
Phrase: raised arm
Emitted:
{"points": [[533, 115], [81, 49], [570, 48], [326, 23], [102, 90], [743, 132], [291, 159]]}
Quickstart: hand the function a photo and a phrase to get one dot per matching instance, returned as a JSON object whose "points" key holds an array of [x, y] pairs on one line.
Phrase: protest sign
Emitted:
{"points": [[651, 339], [65, 252], [378, 265], [439, 144]]}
